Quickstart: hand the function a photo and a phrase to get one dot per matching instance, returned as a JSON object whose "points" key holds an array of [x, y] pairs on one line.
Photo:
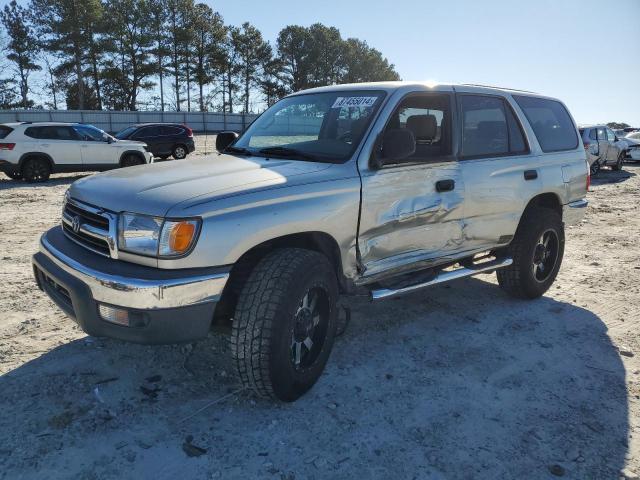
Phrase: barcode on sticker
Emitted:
{"points": [[354, 102]]}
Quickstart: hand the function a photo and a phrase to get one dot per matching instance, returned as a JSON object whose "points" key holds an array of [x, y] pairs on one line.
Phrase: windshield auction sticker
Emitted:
{"points": [[354, 102]]}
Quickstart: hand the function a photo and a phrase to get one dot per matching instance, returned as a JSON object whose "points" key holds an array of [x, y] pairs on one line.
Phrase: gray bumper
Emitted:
{"points": [[573, 212]]}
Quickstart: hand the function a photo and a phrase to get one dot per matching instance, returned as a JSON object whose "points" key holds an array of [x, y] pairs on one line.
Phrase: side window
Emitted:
{"points": [[65, 133], [593, 135], [429, 119], [148, 132], [33, 132], [489, 128], [602, 133], [611, 136], [551, 123], [166, 130]]}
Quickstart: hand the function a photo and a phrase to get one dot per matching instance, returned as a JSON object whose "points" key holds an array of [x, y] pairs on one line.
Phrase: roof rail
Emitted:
{"points": [[494, 86]]}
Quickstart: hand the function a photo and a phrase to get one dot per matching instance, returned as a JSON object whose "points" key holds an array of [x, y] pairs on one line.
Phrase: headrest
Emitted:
{"points": [[423, 127]]}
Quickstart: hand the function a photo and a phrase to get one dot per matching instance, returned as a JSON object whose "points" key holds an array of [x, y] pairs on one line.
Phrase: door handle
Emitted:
{"points": [[445, 185], [530, 174]]}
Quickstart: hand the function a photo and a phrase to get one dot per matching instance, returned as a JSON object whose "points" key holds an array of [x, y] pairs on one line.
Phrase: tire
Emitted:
{"points": [[36, 170], [179, 152], [595, 168], [274, 321], [163, 157], [618, 165], [536, 262], [131, 161], [14, 175]]}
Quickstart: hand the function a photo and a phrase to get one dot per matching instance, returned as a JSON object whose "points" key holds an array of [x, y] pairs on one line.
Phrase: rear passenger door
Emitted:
{"points": [[60, 142], [603, 143], [151, 136], [499, 173]]}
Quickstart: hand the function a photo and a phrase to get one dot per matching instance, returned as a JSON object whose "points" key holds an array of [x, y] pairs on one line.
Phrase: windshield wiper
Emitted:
{"points": [[239, 150], [289, 153]]}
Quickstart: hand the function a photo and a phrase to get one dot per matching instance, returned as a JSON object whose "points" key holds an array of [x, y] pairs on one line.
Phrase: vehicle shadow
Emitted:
{"points": [[55, 180], [458, 382], [607, 176]]}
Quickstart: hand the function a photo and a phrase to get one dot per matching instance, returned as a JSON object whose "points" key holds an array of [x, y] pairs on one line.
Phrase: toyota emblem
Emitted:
{"points": [[75, 224]]}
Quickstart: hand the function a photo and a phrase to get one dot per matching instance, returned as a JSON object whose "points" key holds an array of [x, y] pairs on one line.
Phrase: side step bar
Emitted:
{"points": [[443, 277]]}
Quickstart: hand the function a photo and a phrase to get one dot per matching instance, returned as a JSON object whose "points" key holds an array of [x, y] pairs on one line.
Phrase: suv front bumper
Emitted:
{"points": [[162, 306]]}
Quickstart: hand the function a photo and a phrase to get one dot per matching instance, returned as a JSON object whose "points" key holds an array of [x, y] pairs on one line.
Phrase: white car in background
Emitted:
{"points": [[33, 151], [633, 146]]}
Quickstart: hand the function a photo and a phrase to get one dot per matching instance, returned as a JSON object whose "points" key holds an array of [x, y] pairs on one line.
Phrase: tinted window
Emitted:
{"points": [[602, 133], [610, 135], [165, 130], [428, 118], [550, 122], [52, 132], [148, 132], [489, 127], [4, 131], [593, 134]]}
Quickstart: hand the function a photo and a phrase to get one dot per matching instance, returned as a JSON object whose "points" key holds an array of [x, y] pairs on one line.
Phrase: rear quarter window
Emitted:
{"points": [[550, 122], [4, 131]]}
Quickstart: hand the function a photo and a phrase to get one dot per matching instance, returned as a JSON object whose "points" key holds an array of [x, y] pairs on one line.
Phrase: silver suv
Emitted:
{"points": [[383, 188], [603, 147]]}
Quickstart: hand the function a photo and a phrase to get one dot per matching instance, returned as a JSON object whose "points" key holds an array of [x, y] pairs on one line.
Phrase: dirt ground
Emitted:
{"points": [[455, 382]]}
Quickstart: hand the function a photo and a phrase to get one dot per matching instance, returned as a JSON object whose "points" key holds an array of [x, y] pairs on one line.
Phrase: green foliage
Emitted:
{"points": [[22, 48], [617, 125]]}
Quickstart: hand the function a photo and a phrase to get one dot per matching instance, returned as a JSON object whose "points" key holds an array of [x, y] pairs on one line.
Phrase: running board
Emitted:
{"points": [[444, 277]]}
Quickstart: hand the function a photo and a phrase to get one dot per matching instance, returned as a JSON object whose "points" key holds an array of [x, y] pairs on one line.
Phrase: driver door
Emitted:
{"points": [[412, 211], [95, 150]]}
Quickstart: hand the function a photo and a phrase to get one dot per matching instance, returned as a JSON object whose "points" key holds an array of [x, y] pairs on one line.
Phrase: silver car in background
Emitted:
{"points": [[603, 147]]}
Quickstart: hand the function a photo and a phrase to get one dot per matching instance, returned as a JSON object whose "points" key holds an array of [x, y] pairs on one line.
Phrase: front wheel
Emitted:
{"points": [[595, 168], [619, 162], [131, 160], [285, 323], [537, 250]]}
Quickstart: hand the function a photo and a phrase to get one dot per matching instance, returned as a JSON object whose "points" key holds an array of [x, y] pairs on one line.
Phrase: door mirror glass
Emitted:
{"points": [[397, 144], [224, 139]]}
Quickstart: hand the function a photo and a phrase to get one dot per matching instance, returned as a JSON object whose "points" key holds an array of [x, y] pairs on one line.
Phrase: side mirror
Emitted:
{"points": [[224, 139], [110, 139], [397, 144]]}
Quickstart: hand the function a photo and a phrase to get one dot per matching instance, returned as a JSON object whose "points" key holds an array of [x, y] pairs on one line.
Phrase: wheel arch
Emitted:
{"points": [[317, 241], [126, 153], [26, 156], [543, 200]]}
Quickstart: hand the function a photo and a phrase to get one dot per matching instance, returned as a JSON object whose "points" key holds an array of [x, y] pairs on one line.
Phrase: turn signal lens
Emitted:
{"points": [[181, 236], [177, 237]]}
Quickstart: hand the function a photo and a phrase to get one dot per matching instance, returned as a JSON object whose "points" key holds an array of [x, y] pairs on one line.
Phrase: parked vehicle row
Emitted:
{"points": [[378, 188], [33, 151], [603, 147]]}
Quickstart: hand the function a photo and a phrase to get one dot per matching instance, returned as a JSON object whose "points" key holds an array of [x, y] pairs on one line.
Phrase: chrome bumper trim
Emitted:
{"points": [[140, 293], [573, 212]]}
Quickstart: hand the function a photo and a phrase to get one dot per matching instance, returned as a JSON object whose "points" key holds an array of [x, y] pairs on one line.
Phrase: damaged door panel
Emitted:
{"points": [[405, 220]]}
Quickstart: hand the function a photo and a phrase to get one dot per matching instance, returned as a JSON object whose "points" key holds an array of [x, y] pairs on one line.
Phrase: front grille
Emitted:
{"points": [[86, 226]]}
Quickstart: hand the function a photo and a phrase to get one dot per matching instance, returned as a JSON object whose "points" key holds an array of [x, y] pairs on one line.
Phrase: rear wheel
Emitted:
{"points": [[285, 323], [36, 169], [179, 152], [595, 167], [619, 162], [537, 252], [131, 160]]}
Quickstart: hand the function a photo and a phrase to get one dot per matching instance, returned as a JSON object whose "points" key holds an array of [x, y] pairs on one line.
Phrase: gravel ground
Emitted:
{"points": [[457, 382]]}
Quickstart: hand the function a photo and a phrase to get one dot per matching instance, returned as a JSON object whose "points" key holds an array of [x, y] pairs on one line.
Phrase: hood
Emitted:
{"points": [[126, 141], [153, 189]]}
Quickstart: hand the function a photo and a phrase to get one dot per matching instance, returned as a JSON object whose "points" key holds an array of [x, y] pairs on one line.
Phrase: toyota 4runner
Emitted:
{"points": [[384, 188]]}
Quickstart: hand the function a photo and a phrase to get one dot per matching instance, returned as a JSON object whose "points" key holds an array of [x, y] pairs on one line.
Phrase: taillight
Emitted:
{"points": [[189, 131], [7, 146], [588, 176]]}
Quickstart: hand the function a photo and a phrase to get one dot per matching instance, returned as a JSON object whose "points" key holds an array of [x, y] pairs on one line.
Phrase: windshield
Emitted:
{"points": [[122, 134], [325, 127]]}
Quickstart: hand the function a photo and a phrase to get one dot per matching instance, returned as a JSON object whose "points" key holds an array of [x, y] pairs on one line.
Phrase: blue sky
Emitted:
{"points": [[585, 52]]}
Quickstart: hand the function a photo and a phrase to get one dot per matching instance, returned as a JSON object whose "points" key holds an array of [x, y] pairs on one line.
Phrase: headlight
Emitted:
{"points": [[155, 236]]}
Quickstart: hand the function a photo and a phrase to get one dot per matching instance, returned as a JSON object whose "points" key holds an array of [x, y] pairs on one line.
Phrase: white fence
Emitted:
{"points": [[115, 121]]}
